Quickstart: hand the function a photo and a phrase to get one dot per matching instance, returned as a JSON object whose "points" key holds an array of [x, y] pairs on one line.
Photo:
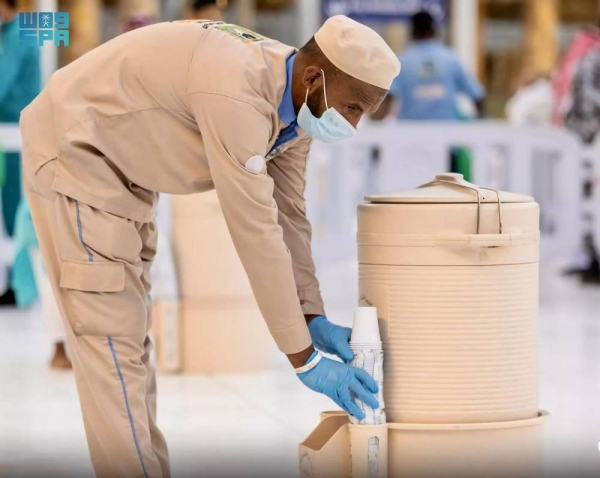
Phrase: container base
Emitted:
{"points": [[468, 450]]}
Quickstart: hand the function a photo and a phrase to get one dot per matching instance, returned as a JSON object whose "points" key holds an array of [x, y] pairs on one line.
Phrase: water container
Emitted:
{"points": [[453, 271]]}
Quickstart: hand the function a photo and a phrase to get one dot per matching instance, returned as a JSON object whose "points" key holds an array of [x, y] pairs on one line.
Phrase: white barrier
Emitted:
{"points": [[10, 137], [543, 162], [540, 161]]}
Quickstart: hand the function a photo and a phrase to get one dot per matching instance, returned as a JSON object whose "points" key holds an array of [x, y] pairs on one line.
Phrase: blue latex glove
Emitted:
{"points": [[330, 338], [341, 382]]}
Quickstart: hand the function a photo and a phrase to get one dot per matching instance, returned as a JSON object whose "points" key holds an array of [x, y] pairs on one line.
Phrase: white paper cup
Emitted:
{"points": [[365, 328], [368, 345], [367, 350]]}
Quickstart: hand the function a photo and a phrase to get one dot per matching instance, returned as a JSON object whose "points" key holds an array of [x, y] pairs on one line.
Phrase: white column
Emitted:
{"points": [[245, 13], [465, 27], [309, 19], [48, 52]]}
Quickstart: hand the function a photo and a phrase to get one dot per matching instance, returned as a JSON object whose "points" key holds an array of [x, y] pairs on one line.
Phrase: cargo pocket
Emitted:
{"points": [[98, 301]]}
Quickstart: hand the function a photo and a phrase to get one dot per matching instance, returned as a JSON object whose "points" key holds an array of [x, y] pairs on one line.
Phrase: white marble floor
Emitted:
{"points": [[255, 422]]}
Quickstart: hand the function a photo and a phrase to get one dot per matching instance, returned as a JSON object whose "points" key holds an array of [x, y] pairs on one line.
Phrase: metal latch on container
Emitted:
{"points": [[457, 180]]}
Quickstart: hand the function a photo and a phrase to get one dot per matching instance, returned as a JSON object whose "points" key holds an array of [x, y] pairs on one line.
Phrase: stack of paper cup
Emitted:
{"points": [[365, 342]]}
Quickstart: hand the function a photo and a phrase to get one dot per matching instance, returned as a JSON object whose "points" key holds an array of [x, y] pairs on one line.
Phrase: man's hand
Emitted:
{"points": [[330, 338], [340, 382]]}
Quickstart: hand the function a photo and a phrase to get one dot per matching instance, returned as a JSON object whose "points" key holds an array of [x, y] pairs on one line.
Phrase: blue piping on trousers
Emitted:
{"points": [[114, 354], [80, 230], [135, 440]]}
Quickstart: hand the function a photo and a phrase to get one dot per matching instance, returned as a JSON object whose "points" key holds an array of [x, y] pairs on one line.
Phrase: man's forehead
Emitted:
{"points": [[364, 92]]}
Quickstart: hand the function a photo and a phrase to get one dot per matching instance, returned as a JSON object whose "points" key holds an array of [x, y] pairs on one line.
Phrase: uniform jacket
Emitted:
{"points": [[181, 108]]}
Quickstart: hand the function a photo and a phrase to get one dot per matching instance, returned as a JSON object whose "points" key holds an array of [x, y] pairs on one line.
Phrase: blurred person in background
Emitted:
{"points": [[20, 76], [577, 107], [532, 101], [134, 14], [228, 110], [20, 81], [584, 41], [432, 77], [30, 281], [583, 118], [208, 9], [584, 115]]}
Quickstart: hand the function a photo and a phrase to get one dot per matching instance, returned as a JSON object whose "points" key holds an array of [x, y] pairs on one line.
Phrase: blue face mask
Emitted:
{"points": [[330, 127]]}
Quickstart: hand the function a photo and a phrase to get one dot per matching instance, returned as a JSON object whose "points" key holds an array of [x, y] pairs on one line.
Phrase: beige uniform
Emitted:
{"points": [[180, 108]]}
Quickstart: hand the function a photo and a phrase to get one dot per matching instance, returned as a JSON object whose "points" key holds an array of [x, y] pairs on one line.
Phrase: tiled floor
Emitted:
{"points": [[253, 423]]}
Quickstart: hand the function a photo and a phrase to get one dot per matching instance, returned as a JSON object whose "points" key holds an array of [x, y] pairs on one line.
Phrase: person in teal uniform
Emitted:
{"points": [[30, 282], [20, 83]]}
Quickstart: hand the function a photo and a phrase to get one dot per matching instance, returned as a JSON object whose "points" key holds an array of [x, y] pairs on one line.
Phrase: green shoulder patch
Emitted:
{"points": [[240, 32]]}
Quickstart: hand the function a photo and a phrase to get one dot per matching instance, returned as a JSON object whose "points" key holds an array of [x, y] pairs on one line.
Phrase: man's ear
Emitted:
{"points": [[312, 76]]}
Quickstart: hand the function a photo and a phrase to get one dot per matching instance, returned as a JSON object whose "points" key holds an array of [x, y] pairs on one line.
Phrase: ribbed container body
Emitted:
{"points": [[460, 342], [456, 290]]}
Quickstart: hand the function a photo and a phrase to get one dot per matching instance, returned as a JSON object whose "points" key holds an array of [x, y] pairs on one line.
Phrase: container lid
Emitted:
{"points": [[448, 188]]}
